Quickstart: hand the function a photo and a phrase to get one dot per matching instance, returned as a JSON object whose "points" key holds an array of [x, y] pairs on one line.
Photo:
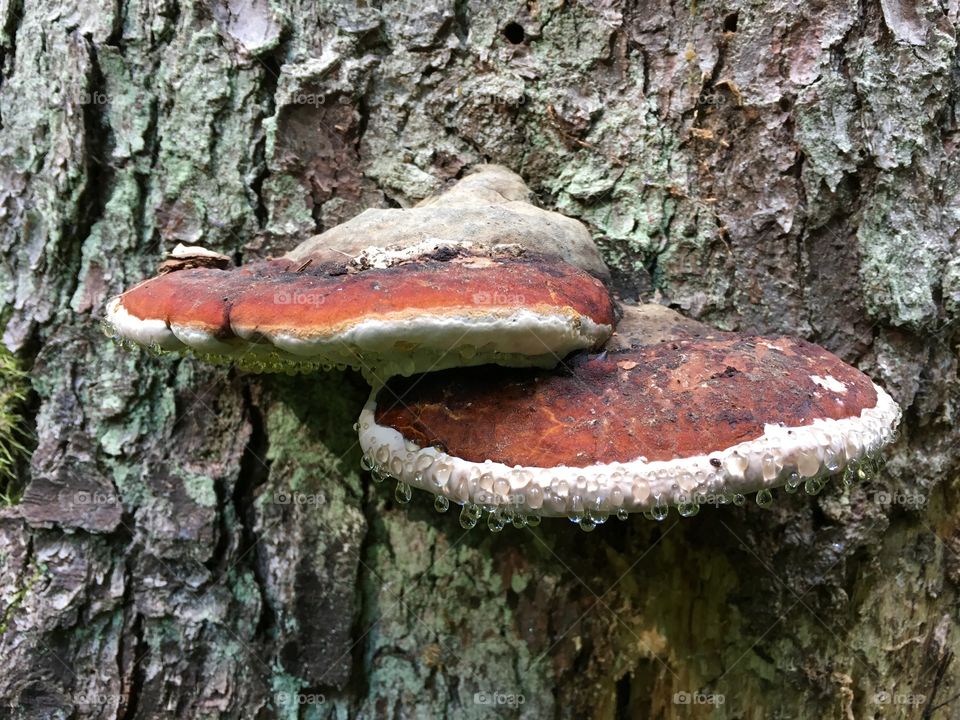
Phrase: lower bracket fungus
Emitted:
{"points": [[699, 419]]}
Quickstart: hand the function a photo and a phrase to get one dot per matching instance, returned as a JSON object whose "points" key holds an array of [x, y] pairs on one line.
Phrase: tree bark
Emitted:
{"points": [[774, 168]]}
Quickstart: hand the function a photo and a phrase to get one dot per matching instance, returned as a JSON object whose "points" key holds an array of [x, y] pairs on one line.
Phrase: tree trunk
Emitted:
{"points": [[769, 167]]}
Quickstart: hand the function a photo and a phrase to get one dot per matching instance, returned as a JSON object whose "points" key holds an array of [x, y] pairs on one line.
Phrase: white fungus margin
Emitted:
{"points": [[781, 456]]}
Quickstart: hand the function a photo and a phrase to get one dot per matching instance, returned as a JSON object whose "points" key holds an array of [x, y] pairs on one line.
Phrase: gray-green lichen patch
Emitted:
{"points": [[904, 248]]}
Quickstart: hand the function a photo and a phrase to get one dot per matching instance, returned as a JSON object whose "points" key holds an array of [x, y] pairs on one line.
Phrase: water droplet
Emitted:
{"points": [[442, 473], [403, 493], [832, 460], [808, 463], [587, 524], [396, 466], [793, 482], [851, 473], [616, 497], [441, 504], [739, 499], [467, 519], [533, 520], [382, 456], [622, 514], [560, 489], [495, 521], [366, 463], [736, 465], [660, 510], [813, 485], [356, 427], [533, 496], [688, 509], [769, 467], [378, 474], [519, 521], [764, 498], [423, 462]]}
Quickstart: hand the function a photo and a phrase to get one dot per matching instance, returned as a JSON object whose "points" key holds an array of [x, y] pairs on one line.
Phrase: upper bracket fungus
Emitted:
{"points": [[489, 207], [695, 417], [423, 298]]}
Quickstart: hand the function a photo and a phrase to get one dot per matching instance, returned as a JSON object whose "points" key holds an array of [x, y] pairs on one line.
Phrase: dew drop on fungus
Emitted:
{"points": [[366, 463], [764, 497], [688, 509], [739, 499], [495, 521], [813, 485], [378, 474], [793, 482], [533, 520], [832, 460], [850, 473], [441, 504], [660, 510], [396, 467], [403, 493], [442, 473], [587, 524], [468, 520], [622, 514], [768, 465]]}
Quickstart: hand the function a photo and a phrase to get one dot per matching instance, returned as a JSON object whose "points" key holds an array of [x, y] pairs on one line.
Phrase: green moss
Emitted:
{"points": [[14, 387]]}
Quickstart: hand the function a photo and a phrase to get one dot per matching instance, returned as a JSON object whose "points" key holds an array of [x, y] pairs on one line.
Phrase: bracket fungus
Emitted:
{"points": [[422, 298], [680, 416], [670, 412]]}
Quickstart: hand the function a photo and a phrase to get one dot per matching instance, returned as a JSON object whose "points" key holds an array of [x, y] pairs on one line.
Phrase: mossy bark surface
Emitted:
{"points": [[197, 543]]}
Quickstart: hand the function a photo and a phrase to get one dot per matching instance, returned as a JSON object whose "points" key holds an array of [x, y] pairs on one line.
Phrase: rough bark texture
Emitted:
{"points": [[771, 167]]}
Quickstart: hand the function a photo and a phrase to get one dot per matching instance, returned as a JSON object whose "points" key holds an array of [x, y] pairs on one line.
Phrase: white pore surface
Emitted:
{"points": [[384, 347], [765, 462]]}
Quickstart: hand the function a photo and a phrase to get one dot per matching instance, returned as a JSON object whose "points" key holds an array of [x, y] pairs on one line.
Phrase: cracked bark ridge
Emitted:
{"points": [[769, 168]]}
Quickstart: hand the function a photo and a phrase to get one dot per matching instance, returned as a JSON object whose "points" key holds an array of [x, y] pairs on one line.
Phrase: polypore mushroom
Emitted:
{"points": [[471, 277], [701, 417], [489, 207]]}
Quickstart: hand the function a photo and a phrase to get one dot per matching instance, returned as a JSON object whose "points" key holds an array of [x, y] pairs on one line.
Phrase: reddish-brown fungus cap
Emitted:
{"points": [[701, 415], [448, 307]]}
